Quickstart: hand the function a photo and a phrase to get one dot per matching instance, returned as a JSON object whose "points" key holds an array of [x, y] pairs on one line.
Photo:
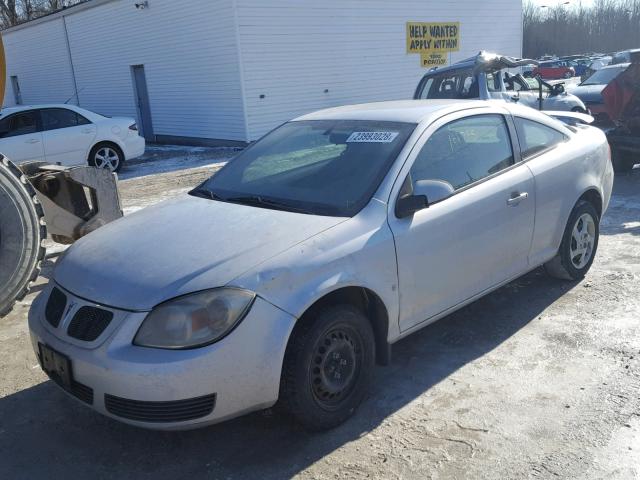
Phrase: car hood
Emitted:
{"points": [[177, 247], [588, 93]]}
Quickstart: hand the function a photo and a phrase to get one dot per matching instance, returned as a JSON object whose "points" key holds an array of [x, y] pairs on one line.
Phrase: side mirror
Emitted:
{"points": [[425, 192], [434, 190], [410, 204]]}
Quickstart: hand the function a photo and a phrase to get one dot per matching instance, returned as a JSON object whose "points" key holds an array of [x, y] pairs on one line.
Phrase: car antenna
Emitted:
{"points": [[74, 95]]}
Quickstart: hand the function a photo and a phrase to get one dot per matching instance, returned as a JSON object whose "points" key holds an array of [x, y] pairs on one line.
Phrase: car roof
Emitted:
{"points": [[22, 108], [407, 111], [616, 65]]}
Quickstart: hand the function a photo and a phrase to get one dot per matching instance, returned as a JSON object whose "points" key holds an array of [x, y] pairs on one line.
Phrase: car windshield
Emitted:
{"points": [[603, 77], [322, 167]]}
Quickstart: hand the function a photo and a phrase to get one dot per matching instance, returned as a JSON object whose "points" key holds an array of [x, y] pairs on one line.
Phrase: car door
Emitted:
{"points": [[479, 236], [20, 137], [67, 136]]}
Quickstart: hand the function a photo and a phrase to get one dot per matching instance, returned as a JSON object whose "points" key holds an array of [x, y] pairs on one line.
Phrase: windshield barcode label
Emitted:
{"points": [[372, 137]]}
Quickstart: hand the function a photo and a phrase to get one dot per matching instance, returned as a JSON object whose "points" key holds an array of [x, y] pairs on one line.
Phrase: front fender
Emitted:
{"points": [[357, 253]]}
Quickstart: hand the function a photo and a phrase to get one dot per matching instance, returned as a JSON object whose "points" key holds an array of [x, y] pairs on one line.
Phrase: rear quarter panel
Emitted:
{"points": [[562, 176]]}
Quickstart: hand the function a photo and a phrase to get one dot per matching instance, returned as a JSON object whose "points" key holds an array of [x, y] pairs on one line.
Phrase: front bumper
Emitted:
{"points": [[242, 371]]}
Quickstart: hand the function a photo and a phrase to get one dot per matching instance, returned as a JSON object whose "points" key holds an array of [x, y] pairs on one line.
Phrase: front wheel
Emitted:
{"points": [[579, 244], [327, 367], [107, 156]]}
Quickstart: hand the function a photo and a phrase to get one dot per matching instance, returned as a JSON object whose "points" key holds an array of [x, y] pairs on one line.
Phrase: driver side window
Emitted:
{"points": [[465, 151]]}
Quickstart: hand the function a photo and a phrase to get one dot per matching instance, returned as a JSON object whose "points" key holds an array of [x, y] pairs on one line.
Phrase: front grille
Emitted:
{"points": [[55, 307], [88, 323], [160, 412], [77, 389]]}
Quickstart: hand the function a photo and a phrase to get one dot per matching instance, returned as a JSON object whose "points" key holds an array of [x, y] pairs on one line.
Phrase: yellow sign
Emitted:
{"points": [[430, 59], [433, 37]]}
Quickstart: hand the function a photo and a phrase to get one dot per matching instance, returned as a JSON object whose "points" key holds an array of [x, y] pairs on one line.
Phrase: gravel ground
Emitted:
{"points": [[540, 379]]}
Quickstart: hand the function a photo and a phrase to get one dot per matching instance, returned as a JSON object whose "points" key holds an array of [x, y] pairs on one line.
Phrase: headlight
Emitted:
{"points": [[194, 320]]}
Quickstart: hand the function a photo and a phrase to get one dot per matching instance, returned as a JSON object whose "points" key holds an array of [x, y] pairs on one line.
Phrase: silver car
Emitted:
{"points": [[287, 275]]}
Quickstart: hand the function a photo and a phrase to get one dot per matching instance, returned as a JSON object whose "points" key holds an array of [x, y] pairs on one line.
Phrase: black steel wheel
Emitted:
{"points": [[327, 367], [22, 230]]}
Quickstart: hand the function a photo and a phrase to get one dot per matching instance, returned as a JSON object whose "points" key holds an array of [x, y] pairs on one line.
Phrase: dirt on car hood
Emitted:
{"points": [[177, 247]]}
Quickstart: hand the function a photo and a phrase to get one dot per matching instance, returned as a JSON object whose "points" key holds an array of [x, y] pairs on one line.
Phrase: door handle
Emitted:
{"points": [[87, 130], [516, 198], [32, 140]]}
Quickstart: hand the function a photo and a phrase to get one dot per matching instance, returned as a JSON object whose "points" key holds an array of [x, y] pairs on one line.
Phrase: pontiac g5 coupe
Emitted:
{"points": [[287, 275]]}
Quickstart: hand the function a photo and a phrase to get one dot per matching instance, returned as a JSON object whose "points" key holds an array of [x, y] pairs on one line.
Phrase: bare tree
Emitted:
{"points": [[14, 12], [607, 26]]}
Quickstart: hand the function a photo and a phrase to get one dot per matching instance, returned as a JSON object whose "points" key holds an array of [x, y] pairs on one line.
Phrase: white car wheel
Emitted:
{"points": [[108, 157], [583, 238], [579, 244]]}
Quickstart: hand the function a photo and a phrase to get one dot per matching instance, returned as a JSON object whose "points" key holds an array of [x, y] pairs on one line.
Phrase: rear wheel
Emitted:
{"points": [[568, 75], [579, 244], [327, 367], [107, 156], [21, 233]]}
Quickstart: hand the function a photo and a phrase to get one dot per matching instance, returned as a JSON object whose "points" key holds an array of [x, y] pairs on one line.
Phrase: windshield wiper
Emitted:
{"points": [[258, 201], [204, 193]]}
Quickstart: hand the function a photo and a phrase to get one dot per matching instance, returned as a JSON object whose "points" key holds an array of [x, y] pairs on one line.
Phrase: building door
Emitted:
{"points": [[142, 102], [16, 90]]}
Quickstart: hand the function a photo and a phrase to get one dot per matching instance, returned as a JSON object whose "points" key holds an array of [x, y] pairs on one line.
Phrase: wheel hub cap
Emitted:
{"points": [[107, 158], [334, 366], [583, 238]]}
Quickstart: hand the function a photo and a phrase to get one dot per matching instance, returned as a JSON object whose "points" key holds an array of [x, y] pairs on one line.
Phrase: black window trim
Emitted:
{"points": [[540, 152], [513, 139]]}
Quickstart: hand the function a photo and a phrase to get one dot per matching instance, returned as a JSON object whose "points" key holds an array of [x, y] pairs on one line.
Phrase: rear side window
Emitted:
{"points": [[465, 151], [536, 138], [22, 123], [450, 85], [56, 118]]}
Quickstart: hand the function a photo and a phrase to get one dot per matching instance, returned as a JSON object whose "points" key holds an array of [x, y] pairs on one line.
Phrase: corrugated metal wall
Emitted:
{"points": [[209, 61], [39, 58], [294, 50], [188, 49]]}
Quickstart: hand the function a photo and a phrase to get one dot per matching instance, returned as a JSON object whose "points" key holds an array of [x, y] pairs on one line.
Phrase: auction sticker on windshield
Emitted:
{"points": [[372, 137]]}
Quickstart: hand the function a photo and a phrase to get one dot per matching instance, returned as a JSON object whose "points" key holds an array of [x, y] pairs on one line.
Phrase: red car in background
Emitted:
{"points": [[554, 70]]}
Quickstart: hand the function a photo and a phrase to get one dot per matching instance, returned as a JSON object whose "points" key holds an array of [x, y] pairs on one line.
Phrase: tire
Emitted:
{"points": [[327, 367], [569, 264], [106, 155], [567, 76], [22, 230]]}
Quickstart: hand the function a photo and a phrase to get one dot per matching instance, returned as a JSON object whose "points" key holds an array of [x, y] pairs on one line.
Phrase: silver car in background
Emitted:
{"points": [[288, 274]]}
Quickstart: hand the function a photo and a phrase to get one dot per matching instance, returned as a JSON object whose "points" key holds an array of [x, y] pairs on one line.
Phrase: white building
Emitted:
{"points": [[231, 70]]}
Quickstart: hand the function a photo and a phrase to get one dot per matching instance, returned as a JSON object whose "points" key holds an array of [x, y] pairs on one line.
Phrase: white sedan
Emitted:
{"points": [[288, 274], [68, 135]]}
